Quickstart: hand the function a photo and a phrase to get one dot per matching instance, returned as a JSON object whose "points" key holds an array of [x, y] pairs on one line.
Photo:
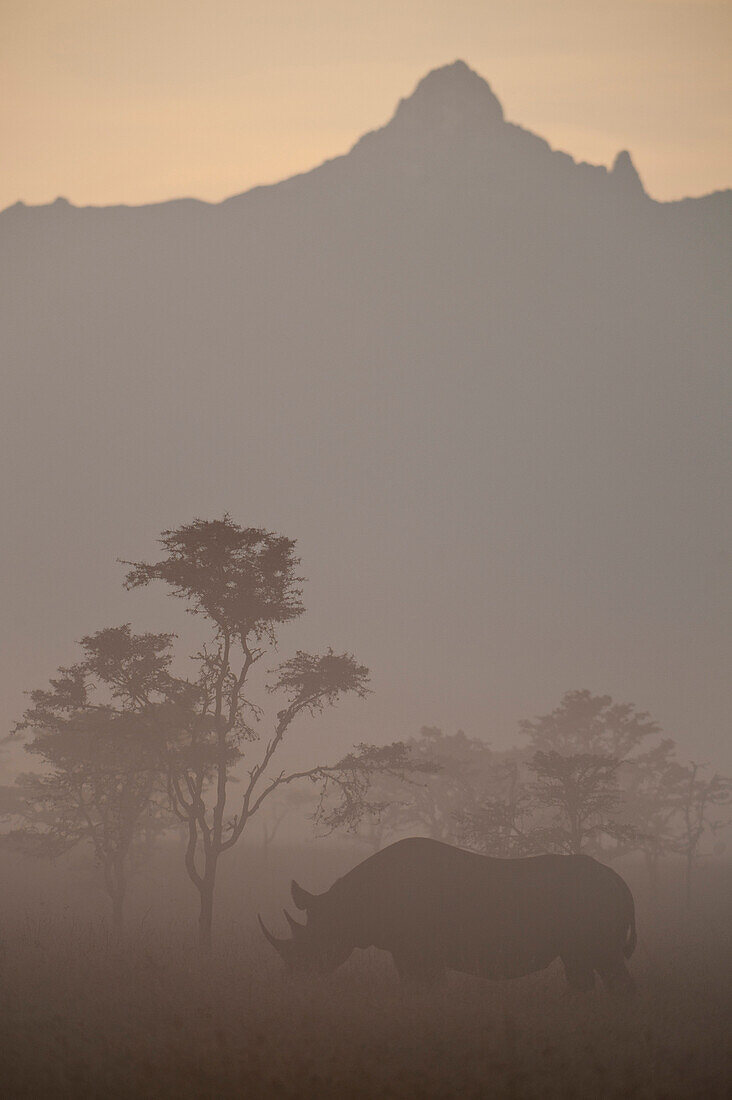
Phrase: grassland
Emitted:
{"points": [[83, 1016]]}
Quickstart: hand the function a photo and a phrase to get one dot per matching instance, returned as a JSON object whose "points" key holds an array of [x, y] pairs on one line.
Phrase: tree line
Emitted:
{"points": [[129, 748], [593, 776]]}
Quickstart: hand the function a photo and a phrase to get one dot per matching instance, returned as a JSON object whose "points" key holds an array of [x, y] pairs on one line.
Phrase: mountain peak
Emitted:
{"points": [[451, 94], [625, 173]]}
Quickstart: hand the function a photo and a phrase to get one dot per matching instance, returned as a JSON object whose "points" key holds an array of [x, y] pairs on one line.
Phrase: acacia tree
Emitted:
{"points": [[378, 815], [702, 805], [455, 767], [503, 823], [581, 792], [590, 724], [366, 796], [92, 731], [242, 582], [650, 789], [439, 777], [578, 750]]}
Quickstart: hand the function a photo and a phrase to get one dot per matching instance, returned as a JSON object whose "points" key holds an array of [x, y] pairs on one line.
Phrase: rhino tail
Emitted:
{"points": [[631, 937]]}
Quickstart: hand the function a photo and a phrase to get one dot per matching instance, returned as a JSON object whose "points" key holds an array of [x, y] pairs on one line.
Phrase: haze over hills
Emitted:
{"points": [[483, 385]]}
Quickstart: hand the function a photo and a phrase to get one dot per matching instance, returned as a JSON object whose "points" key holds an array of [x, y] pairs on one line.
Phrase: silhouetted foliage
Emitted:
{"points": [[587, 783], [455, 767], [649, 805], [95, 730], [243, 583], [581, 792], [11, 803], [365, 787], [703, 806], [578, 750], [503, 823], [438, 778], [590, 724]]}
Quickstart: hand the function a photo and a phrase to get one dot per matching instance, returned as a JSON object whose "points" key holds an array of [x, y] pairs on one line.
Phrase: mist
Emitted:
{"points": [[363, 556]]}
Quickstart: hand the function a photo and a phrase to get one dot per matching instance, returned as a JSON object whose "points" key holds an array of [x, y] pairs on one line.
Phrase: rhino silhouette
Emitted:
{"points": [[437, 907]]}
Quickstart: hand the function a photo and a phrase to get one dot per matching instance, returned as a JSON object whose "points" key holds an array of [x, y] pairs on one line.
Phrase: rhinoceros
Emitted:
{"points": [[437, 907]]}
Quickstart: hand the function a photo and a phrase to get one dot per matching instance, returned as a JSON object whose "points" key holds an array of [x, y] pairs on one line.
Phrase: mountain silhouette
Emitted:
{"points": [[482, 383]]}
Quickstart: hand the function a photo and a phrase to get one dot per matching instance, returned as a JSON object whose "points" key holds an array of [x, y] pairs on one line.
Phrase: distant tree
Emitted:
{"points": [[591, 725], [367, 795], [502, 824], [374, 831], [11, 803], [454, 767], [703, 807], [242, 582], [93, 732], [288, 801], [378, 815], [578, 750], [650, 799], [580, 792], [439, 778]]}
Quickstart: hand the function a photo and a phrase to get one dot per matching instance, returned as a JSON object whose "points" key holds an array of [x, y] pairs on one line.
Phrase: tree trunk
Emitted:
{"points": [[652, 861], [118, 904], [689, 870], [116, 886], [205, 916], [575, 837]]}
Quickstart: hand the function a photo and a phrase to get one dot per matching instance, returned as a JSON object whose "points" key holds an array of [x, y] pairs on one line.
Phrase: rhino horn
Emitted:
{"points": [[301, 898], [281, 946], [295, 926]]}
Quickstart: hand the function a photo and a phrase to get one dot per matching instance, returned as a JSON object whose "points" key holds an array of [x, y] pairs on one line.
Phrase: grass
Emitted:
{"points": [[83, 1017]]}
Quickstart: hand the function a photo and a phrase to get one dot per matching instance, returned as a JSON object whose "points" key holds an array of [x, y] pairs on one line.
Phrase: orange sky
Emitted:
{"points": [[107, 101]]}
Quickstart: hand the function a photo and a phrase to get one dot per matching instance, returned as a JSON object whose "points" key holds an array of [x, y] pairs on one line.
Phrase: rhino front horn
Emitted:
{"points": [[301, 898], [281, 946]]}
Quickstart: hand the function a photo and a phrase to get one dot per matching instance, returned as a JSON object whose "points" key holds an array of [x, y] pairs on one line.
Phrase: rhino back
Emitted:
{"points": [[473, 910]]}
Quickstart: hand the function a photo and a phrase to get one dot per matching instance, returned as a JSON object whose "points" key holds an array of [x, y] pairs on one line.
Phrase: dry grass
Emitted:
{"points": [[82, 1017]]}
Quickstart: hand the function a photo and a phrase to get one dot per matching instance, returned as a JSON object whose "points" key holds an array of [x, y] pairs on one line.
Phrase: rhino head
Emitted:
{"points": [[314, 947]]}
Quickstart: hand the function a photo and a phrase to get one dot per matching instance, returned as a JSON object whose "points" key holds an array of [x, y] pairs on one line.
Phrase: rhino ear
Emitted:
{"points": [[301, 898]]}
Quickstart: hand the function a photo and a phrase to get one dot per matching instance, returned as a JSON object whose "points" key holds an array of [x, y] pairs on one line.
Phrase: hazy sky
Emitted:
{"points": [[107, 101]]}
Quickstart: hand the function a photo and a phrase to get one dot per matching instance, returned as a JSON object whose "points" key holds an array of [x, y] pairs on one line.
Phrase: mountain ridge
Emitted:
{"points": [[482, 385], [447, 98]]}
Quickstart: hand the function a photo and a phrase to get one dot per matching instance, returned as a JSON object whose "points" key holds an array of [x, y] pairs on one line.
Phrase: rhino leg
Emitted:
{"points": [[416, 970], [579, 973]]}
